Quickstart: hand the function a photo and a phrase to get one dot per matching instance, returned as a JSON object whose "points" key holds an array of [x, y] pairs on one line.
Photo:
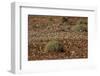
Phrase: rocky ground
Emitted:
{"points": [[42, 29]]}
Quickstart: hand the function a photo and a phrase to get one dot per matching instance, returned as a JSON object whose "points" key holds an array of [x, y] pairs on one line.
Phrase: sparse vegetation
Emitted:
{"points": [[57, 37]]}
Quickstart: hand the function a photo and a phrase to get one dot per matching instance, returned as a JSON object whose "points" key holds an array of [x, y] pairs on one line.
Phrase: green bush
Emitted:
{"points": [[80, 28], [54, 46], [81, 25]]}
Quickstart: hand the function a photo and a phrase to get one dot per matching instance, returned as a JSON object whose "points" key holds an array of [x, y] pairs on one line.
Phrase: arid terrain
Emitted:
{"points": [[57, 37]]}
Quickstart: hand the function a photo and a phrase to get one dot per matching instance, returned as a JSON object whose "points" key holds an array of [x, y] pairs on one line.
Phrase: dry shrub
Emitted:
{"points": [[54, 46]]}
